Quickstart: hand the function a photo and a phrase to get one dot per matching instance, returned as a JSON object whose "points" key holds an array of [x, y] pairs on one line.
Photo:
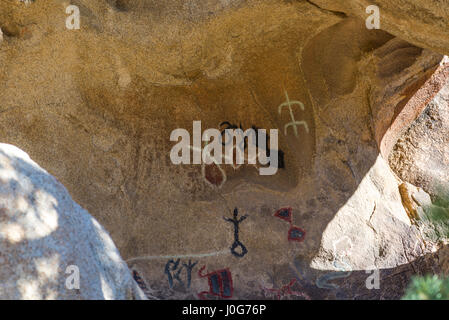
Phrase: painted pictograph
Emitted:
{"points": [[244, 145], [294, 123], [237, 244], [286, 291], [342, 249], [220, 284], [173, 270], [141, 283], [294, 233]]}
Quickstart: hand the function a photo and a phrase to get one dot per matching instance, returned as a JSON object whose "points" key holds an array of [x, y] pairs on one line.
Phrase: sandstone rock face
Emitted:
{"points": [[104, 99], [421, 155], [45, 238]]}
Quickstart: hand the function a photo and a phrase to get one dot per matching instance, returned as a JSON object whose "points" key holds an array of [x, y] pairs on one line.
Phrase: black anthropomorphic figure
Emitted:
{"points": [[236, 222]]}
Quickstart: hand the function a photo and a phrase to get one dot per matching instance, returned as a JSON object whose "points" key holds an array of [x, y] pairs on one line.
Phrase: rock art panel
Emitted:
{"points": [[98, 113]]}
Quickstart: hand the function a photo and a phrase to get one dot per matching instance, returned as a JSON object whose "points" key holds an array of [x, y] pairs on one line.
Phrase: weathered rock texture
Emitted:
{"points": [[96, 106], [421, 157], [423, 23], [44, 235]]}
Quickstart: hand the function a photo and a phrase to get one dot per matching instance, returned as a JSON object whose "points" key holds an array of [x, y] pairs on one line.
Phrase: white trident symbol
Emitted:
{"points": [[293, 123]]}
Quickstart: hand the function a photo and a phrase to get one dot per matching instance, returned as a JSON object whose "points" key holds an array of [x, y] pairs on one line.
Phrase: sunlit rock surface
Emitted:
{"points": [[421, 158], [45, 236]]}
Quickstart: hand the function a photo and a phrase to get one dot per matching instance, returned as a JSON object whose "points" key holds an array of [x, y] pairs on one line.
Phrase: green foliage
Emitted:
{"points": [[428, 288], [435, 225]]}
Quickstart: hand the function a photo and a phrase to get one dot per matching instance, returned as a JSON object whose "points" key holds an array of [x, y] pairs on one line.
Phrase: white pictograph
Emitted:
{"points": [[203, 170], [293, 123], [207, 158], [342, 247]]}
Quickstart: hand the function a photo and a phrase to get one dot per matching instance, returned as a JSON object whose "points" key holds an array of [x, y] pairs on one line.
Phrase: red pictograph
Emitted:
{"points": [[284, 214], [294, 233], [220, 283], [287, 291]]}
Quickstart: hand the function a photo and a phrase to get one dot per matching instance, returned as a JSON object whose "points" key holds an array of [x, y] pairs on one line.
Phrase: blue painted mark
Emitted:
{"points": [[215, 284], [227, 290], [296, 234], [284, 213]]}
